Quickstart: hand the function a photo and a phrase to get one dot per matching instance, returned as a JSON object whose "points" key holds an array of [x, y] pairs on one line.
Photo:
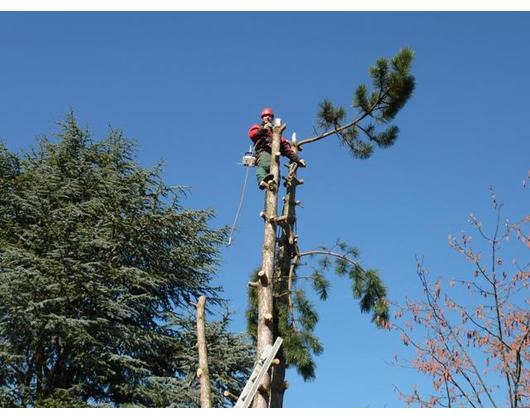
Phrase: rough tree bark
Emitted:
{"points": [[203, 372], [265, 334], [287, 249]]}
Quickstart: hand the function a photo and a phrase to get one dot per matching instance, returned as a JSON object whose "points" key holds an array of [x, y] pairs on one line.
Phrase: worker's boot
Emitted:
{"points": [[271, 185], [266, 183]]}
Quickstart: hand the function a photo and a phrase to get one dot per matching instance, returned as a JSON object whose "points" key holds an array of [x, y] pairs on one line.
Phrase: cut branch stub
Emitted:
{"points": [[267, 218], [230, 396], [262, 277]]}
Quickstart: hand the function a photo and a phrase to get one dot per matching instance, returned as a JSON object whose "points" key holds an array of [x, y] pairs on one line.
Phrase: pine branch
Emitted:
{"points": [[394, 88]]}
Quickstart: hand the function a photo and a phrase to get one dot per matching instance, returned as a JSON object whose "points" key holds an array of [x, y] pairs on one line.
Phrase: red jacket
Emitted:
{"points": [[263, 142]]}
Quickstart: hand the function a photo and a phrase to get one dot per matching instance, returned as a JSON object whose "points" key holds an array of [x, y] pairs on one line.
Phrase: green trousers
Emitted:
{"points": [[264, 165]]}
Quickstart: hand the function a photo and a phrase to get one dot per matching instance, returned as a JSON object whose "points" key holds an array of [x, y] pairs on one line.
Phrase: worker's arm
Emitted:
{"points": [[289, 153], [255, 132]]}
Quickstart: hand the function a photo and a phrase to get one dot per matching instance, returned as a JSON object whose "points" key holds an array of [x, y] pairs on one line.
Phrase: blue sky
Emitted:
{"points": [[189, 85]]}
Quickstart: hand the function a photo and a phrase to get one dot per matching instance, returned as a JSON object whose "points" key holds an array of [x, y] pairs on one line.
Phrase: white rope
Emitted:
{"points": [[240, 205]]}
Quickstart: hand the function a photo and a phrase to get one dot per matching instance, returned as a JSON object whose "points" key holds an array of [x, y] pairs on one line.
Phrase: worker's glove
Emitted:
{"points": [[300, 162], [268, 126], [262, 132]]}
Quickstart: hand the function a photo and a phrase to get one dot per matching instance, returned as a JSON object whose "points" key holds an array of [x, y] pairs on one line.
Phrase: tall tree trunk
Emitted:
{"points": [[286, 250], [278, 370], [265, 334], [203, 372]]}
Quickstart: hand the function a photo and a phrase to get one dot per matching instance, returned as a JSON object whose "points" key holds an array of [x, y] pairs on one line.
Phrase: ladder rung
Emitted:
{"points": [[260, 369]]}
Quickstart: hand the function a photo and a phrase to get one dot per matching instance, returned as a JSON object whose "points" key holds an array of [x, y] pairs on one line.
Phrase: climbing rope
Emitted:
{"points": [[240, 204]]}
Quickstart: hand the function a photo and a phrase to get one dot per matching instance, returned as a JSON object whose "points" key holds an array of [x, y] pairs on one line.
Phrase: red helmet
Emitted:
{"points": [[267, 111]]}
